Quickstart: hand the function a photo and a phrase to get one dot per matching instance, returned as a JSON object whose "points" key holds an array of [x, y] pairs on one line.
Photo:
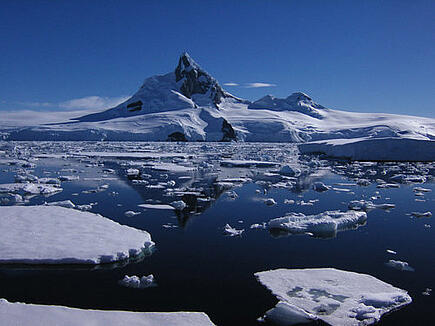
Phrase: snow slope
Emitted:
{"points": [[189, 104], [42, 315], [58, 235]]}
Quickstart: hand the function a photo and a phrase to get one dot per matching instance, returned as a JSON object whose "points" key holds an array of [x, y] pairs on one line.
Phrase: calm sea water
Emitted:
{"points": [[198, 268]]}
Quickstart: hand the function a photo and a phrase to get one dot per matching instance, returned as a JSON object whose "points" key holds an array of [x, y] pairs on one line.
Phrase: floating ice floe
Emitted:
{"points": [[418, 214], [156, 206], [232, 232], [420, 189], [172, 167], [29, 188], [391, 252], [131, 213], [138, 282], [69, 177], [43, 315], [400, 265], [374, 149], [334, 296], [325, 224], [366, 205], [58, 235], [247, 163]]}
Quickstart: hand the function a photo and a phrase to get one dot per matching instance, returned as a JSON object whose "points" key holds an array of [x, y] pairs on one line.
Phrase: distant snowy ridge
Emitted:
{"points": [[188, 104]]}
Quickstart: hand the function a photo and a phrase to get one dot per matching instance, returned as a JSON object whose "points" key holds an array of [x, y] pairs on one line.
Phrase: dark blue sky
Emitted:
{"points": [[369, 56]]}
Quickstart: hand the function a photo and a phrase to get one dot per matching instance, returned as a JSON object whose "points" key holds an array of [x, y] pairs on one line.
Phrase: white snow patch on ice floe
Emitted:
{"points": [[42, 315], [335, 296], [325, 224], [284, 314], [58, 235]]}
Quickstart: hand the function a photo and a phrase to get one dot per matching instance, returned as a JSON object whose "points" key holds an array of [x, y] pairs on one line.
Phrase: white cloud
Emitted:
{"points": [[93, 102], [231, 84], [83, 103], [257, 85]]}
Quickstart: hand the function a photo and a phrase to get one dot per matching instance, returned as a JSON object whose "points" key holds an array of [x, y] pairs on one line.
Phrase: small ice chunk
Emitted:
{"points": [[179, 205], [232, 232], [391, 252], [418, 214], [258, 226], [133, 172], [320, 186], [69, 178], [420, 189], [270, 202], [400, 265], [427, 291], [289, 171], [63, 203], [289, 201], [131, 213], [138, 282], [325, 224]]}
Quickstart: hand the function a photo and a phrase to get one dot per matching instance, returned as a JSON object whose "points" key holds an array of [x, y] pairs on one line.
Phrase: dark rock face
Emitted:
{"points": [[196, 80], [177, 136], [135, 106], [228, 131]]}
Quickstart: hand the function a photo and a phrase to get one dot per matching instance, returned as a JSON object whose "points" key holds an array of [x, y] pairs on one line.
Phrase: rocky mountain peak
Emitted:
{"points": [[194, 80]]}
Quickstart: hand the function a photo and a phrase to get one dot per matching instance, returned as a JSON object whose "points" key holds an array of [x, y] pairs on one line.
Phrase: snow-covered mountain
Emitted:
{"points": [[189, 104]]}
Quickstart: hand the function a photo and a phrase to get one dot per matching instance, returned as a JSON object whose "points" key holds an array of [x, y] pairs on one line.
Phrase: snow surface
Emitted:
{"points": [[42, 315], [58, 235], [335, 296]]}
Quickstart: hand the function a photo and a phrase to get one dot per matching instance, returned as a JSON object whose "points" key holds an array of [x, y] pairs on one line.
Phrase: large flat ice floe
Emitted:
{"points": [[374, 149], [325, 224], [41, 315], [335, 296], [58, 235]]}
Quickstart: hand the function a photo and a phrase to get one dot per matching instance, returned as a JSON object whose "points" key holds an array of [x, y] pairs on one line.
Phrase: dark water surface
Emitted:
{"points": [[198, 268]]}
